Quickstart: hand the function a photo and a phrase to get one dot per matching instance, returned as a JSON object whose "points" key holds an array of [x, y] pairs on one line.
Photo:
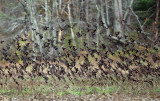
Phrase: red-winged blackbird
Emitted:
{"points": [[2, 42]]}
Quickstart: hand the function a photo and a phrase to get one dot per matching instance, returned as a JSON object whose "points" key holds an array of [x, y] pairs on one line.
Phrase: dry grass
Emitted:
{"points": [[91, 97]]}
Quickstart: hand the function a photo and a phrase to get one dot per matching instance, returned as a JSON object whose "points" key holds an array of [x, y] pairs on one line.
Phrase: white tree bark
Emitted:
{"points": [[107, 18], [118, 17], [46, 11], [34, 25], [128, 10], [98, 27], [60, 5], [46, 19], [102, 14], [28, 5], [70, 21]]}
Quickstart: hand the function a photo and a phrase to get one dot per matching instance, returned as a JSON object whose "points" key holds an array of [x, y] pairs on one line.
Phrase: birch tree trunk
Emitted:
{"points": [[103, 16], [34, 26], [126, 18], [118, 17], [98, 27], [46, 33], [107, 18], [70, 21], [128, 9], [28, 5], [60, 5]]}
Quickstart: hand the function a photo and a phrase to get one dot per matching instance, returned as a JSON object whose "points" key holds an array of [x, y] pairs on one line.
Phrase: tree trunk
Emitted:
{"points": [[126, 18], [70, 21], [118, 17], [128, 9], [87, 21], [156, 21], [98, 29], [102, 15], [107, 19], [33, 20], [53, 43]]}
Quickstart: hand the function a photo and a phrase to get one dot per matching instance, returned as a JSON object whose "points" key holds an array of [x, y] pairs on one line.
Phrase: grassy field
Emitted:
{"points": [[79, 87]]}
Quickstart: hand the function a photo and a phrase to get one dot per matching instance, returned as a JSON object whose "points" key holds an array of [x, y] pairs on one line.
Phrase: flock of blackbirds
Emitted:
{"points": [[88, 63]]}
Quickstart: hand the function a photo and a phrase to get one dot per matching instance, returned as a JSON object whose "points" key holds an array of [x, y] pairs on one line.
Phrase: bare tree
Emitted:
{"points": [[81, 20]]}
